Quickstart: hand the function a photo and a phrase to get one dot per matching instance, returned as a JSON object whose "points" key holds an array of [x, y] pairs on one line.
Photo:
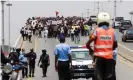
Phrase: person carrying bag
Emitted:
{"points": [[45, 62]]}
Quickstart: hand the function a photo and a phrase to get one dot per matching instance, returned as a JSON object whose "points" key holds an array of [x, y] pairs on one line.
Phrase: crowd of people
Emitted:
{"points": [[53, 27], [48, 27], [104, 38]]}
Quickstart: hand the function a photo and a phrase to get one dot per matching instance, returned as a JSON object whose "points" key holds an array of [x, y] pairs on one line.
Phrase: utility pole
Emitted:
{"points": [[98, 7], [115, 5], [9, 5], [82, 15], [3, 39], [94, 7], [131, 13], [88, 12], [102, 7], [115, 9]]}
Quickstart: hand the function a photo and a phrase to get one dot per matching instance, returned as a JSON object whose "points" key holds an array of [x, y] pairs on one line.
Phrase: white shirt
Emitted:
{"points": [[34, 22], [62, 30], [29, 32], [46, 32], [45, 28], [72, 31]]}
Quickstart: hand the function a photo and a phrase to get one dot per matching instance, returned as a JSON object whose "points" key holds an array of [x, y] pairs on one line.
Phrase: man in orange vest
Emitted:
{"points": [[104, 43]]}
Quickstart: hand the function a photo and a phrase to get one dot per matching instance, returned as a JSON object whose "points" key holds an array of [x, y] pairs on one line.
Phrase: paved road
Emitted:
{"points": [[128, 44], [124, 71], [125, 48]]}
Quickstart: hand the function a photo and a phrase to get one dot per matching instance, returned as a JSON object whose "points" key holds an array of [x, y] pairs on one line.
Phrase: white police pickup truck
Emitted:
{"points": [[81, 63]]}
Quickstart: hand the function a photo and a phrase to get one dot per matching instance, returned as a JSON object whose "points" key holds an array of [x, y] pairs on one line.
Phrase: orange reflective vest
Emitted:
{"points": [[103, 45]]}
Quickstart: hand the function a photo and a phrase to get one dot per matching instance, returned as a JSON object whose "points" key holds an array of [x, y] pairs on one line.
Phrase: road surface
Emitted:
{"points": [[125, 48], [124, 68]]}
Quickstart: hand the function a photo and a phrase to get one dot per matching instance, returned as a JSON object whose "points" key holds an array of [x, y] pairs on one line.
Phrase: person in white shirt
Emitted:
{"points": [[26, 33], [29, 35], [45, 34]]}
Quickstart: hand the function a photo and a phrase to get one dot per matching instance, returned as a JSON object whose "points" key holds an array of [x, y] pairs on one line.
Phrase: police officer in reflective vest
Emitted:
{"points": [[104, 42]]}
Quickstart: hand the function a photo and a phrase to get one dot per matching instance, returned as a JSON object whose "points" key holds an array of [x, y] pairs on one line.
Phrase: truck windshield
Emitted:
{"points": [[84, 55]]}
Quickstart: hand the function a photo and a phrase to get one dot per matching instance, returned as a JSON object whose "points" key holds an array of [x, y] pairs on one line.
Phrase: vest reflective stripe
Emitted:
{"points": [[103, 46], [107, 55], [104, 43]]}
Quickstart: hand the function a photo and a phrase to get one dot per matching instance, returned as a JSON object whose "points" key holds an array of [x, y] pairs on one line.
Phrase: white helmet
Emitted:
{"points": [[104, 17]]}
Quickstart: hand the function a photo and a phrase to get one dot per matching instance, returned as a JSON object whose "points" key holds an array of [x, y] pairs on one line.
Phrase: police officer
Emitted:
{"points": [[104, 42], [63, 58], [114, 57], [32, 59], [45, 62]]}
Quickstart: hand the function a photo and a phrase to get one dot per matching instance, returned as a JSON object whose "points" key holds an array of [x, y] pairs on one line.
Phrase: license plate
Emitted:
{"points": [[79, 74]]}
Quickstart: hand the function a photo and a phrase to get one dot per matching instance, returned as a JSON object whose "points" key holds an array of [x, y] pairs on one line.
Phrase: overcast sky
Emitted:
{"points": [[21, 10]]}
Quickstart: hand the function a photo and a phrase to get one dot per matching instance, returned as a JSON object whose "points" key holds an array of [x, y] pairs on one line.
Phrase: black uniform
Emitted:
{"points": [[44, 58], [32, 57]]}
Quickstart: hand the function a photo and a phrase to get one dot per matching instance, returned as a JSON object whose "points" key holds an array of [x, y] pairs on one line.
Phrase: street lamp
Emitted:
{"points": [[3, 39], [82, 15], [94, 7], [9, 4], [115, 8], [131, 13], [88, 12], [98, 7]]}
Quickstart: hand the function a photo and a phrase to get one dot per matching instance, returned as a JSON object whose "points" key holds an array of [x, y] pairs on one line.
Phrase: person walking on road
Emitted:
{"points": [[45, 34], [32, 59], [104, 42], [76, 34], [62, 59], [45, 62], [26, 33], [40, 31], [29, 35], [24, 61], [22, 33]]}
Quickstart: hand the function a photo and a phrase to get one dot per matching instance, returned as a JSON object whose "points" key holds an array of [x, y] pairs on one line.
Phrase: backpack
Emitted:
{"points": [[45, 58]]}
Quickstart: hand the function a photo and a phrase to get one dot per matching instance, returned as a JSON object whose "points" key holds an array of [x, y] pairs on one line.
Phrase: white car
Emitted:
{"points": [[81, 63]]}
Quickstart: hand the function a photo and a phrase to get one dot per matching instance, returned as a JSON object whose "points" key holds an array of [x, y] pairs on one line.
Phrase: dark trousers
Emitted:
{"points": [[114, 74], [24, 71], [82, 32], [31, 70], [29, 38], [55, 34], [34, 31], [72, 37], [63, 70], [26, 36], [40, 34], [44, 69], [77, 39], [104, 69], [23, 36]]}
